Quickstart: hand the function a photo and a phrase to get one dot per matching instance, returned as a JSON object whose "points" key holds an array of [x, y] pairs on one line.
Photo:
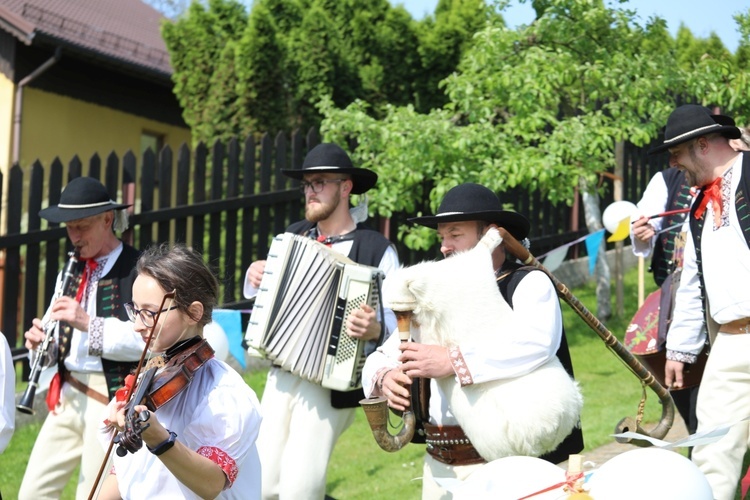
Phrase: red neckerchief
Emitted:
{"points": [[712, 193], [87, 272]]}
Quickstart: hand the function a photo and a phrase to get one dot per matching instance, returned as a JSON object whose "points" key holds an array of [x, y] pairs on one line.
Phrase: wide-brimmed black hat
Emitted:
{"points": [[475, 202], [82, 197], [690, 121], [330, 158]]}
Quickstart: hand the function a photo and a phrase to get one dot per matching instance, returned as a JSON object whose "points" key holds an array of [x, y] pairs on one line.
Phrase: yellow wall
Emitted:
{"points": [[58, 126], [6, 122]]}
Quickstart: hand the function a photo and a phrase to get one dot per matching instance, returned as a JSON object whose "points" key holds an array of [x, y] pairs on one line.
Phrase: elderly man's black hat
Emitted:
{"points": [[82, 197], [469, 201]]}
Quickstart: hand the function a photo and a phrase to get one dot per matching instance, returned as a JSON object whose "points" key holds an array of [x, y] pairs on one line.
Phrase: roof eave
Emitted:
{"points": [[149, 72], [17, 26]]}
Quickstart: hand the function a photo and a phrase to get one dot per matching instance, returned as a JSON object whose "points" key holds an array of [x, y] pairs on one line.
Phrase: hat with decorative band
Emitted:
{"points": [[467, 202], [82, 197], [691, 121], [328, 158]]}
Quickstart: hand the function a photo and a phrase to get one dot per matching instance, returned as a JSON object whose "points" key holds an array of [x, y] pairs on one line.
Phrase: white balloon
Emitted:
{"points": [[511, 478], [616, 212], [217, 338], [649, 473]]}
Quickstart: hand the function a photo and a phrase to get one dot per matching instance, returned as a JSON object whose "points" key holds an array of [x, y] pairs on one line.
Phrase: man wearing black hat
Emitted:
{"points": [[713, 287], [465, 214], [302, 421], [95, 344]]}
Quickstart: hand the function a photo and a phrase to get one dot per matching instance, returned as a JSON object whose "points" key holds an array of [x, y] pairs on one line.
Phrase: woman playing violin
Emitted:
{"points": [[200, 443]]}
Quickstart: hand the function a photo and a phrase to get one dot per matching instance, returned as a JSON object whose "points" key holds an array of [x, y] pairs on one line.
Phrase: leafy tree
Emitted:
{"points": [[196, 43], [690, 50], [262, 74], [442, 41], [236, 73]]}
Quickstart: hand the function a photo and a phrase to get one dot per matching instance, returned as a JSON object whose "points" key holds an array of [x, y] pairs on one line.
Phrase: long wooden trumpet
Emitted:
{"points": [[516, 249], [26, 403]]}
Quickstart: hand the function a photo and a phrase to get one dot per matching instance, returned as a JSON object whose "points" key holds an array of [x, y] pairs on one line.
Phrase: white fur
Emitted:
{"points": [[457, 300]]}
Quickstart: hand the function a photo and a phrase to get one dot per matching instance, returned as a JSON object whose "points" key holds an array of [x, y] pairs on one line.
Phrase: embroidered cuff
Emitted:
{"points": [[459, 366], [683, 357], [96, 337], [219, 457]]}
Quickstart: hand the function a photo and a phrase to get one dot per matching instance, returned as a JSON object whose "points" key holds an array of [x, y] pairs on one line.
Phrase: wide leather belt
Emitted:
{"points": [[448, 444], [97, 396], [737, 326]]}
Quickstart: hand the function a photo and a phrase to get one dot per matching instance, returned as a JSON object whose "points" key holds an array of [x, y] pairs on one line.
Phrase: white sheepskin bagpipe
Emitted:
{"points": [[456, 300]]}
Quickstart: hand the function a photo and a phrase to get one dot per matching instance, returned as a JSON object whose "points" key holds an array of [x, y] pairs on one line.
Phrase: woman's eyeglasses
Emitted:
{"points": [[316, 185], [147, 317]]}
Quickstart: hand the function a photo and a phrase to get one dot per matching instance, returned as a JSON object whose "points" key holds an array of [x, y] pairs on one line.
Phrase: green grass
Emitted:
{"points": [[359, 469]]}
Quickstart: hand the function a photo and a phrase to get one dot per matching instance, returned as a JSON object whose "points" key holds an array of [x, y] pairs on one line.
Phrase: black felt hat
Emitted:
{"points": [[82, 197], [329, 158], [691, 121], [475, 202]]}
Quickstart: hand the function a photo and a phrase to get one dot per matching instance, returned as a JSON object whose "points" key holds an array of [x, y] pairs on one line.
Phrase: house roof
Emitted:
{"points": [[119, 31]]}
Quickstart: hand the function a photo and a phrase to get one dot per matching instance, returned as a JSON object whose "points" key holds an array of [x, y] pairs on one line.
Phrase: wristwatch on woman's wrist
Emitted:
{"points": [[164, 445]]}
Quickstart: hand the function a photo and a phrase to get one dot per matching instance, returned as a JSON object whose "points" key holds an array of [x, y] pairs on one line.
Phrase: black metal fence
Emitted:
{"points": [[226, 201]]}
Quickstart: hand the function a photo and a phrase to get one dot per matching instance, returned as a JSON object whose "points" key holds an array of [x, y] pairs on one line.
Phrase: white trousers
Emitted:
{"points": [[724, 397], [68, 437], [433, 468], [297, 436]]}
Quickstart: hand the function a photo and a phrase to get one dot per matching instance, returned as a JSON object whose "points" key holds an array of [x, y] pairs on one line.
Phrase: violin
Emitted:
{"points": [[158, 387]]}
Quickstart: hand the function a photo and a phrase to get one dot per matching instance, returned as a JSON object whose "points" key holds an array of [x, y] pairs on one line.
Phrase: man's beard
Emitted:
{"points": [[321, 211]]}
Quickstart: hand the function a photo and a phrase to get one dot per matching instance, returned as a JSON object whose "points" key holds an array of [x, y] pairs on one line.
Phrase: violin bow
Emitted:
{"points": [[108, 454]]}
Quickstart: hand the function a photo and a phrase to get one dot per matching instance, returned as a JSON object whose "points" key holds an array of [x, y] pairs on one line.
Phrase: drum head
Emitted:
{"points": [[642, 335]]}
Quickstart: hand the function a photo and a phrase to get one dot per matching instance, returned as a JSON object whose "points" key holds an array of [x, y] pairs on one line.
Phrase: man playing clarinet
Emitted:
{"points": [[302, 420], [94, 346]]}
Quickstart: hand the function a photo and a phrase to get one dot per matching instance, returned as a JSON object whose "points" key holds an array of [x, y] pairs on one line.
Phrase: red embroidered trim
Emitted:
{"points": [[227, 463], [459, 366]]}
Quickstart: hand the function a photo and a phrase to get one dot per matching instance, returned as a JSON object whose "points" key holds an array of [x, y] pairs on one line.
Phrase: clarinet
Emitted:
{"points": [[26, 404]]}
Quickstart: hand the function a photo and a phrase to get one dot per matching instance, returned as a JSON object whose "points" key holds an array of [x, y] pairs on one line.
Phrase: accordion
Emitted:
{"points": [[299, 317]]}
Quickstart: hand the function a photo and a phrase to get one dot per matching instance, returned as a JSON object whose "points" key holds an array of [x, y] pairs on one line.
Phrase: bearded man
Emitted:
{"points": [[302, 420]]}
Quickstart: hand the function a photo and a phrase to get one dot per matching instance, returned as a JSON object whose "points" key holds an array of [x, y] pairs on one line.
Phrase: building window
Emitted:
{"points": [[151, 140]]}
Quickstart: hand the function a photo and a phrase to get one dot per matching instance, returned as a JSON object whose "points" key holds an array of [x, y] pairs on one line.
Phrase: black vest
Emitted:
{"points": [[573, 443], [113, 291], [368, 248], [678, 196], [743, 215]]}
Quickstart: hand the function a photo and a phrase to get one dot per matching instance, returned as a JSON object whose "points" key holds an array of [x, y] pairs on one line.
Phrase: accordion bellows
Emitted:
{"points": [[299, 317]]}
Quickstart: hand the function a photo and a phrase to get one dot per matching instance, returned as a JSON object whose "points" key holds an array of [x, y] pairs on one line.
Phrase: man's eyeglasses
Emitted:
{"points": [[147, 317], [316, 185]]}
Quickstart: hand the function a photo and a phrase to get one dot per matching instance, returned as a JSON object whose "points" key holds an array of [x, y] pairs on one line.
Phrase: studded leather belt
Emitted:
{"points": [[448, 444], [737, 326]]}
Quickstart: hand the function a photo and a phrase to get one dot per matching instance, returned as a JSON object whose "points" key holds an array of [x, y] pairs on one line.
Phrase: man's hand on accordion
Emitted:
{"points": [[255, 273], [363, 323]]}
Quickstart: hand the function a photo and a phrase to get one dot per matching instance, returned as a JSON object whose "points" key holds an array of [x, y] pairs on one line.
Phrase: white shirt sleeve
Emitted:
{"points": [[248, 290], [120, 340], [386, 356], [531, 338], [686, 333], [7, 394], [653, 201], [388, 264]]}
